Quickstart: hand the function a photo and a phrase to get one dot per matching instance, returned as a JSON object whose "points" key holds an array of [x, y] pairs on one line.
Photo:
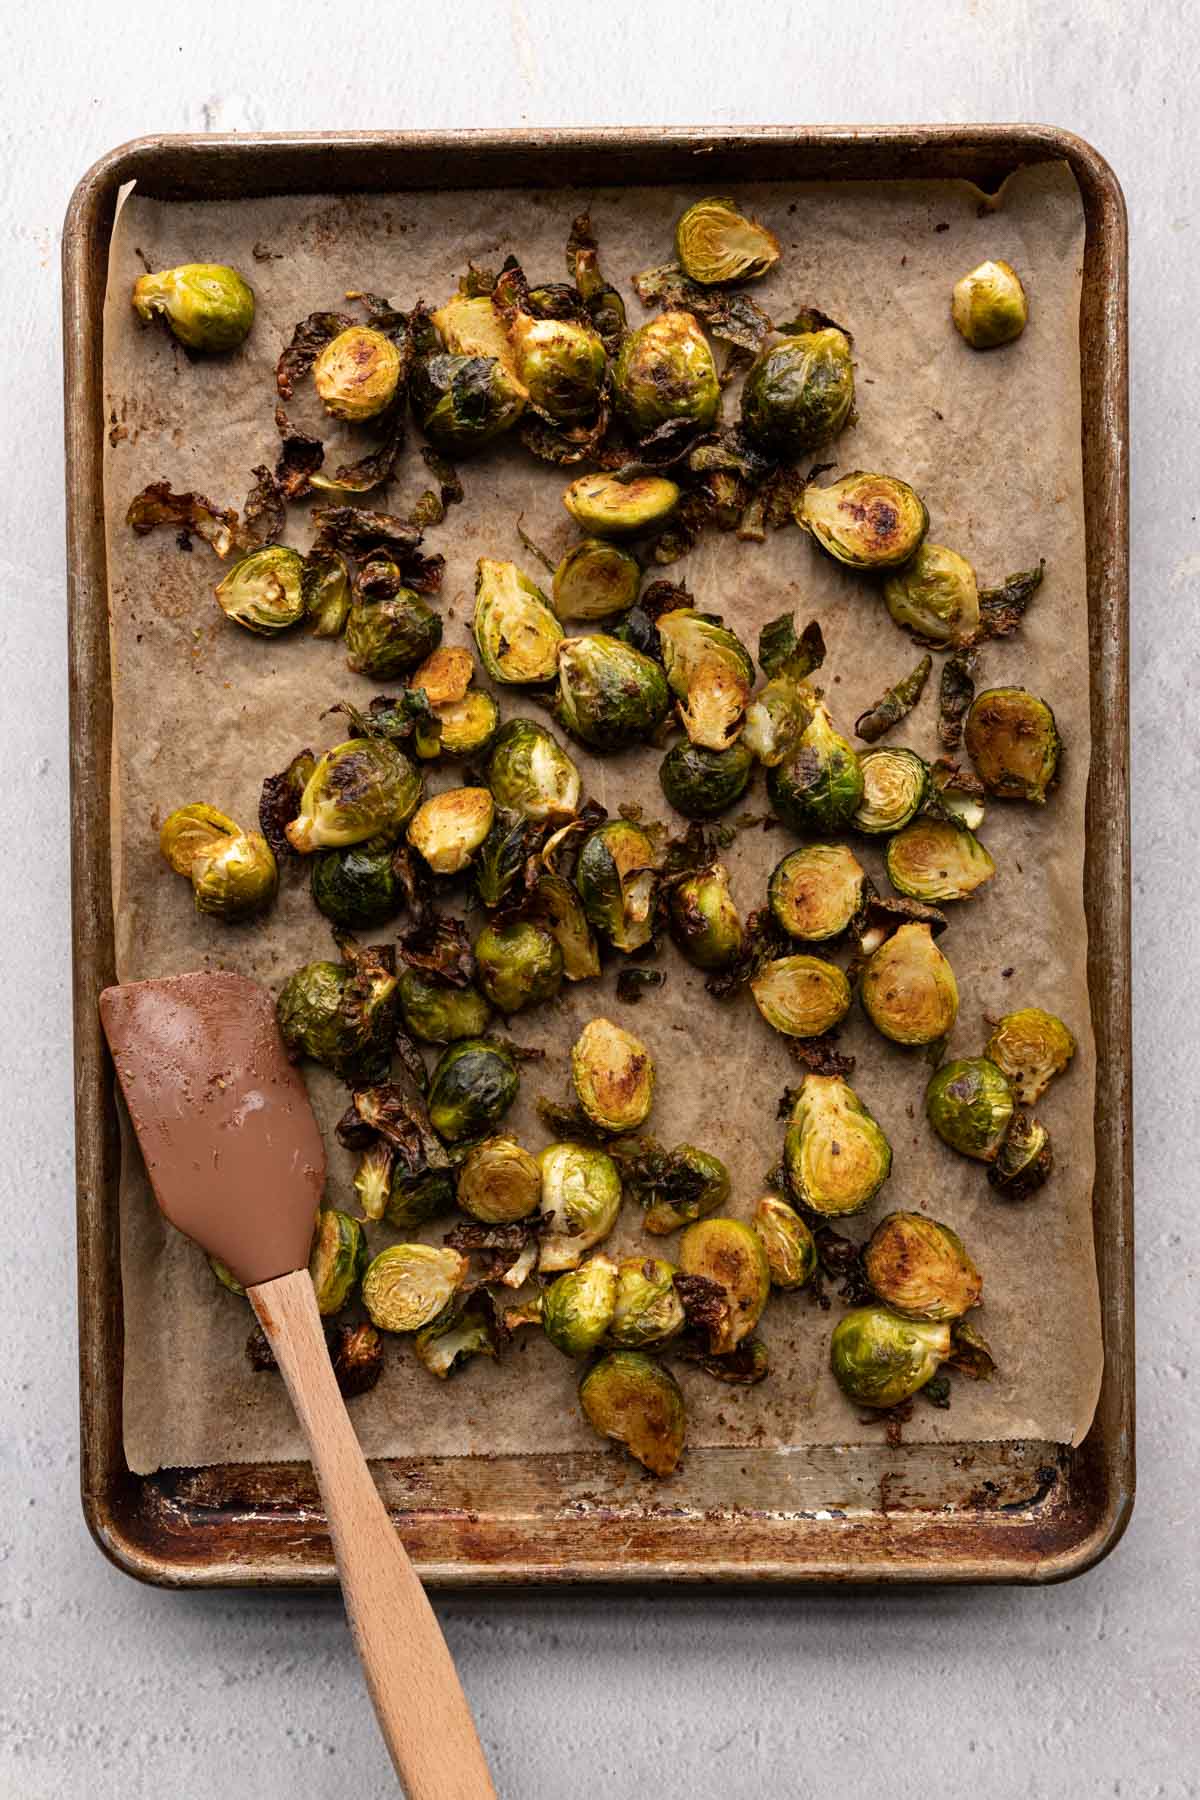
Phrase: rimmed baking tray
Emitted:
{"points": [[1018, 1511]]}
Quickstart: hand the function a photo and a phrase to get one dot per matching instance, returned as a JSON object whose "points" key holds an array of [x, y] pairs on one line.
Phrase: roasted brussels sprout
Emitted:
{"points": [[702, 783], [920, 1268], [931, 859], [815, 891], [190, 829], [880, 1358], [837, 1157], [373, 1178], [819, 788], [361, 789], [665, 370], [437, 1013], [908, 988], [729, 1252], [595, 580], [1030, 1047], [955, 793], [530, 773], [342, 1015], [969, 1104], [463, 1329], [866, 521], [357, 373], [264, 591], [581, 1197], [518, 964], [407, 1285], [629, 1397], [338, 1258], [387, 637], [578, 1307], [234, 877], [895, 783], [799, 392], [617, 880], [790, 1246], [463, 402], [801, 996], [1025, 1159], [559, 908], [499, 1182], [710, 672], [468, 725], [326, 588], [716, 243], [207, 305], [613, 1076], [776, 720], [470, 325], [609, 694], [1011, 738], [417, 1196], [705, 924], [516, 631], [935, 596], [473, 1084], [449, 827], [989, 305], [560, 364], [610, 508], [686, 1184], [357, 887], [648, 1310], [445, 676]]}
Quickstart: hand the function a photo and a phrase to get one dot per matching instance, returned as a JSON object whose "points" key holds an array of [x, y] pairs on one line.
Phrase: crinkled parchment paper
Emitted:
{"points": [[205, 710]]}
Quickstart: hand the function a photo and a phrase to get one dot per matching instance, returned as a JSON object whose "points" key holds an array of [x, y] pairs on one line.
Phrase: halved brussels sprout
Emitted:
{"points": [[665, 370], [234, 877], [880, 1358], [595, 580], [689, 1184], [190, 829], [530, 773], [473, 1084], [516, 631], [326, 582], [560, 364], [956, 794], [357, 373], [449, 827], [610, 508], [815, 891], [499, 1182], [1030, 1047], [790, 1246], [617, 880], [799, 391], [518, 964], [820, 787], [629, 1397], [357, 887], [731, 1253], [609, 694], [208, 306], [837, 1157], [341, 1015], [989, 305], [264, 590], [710, 672], [581, 1197], [613, 1075], [361, 789], [866, 521], [338, 1257], [468, 725], [462, 1330], [705, 924], [934, 860], [716, 243], [895, 783], [437, 1013], [558, 907], [776, 720], [969, 1104], [801, 996], [908, 988], [648, 1310], [578, 1307], [387, 637], [408, 1285], [1013, 741], [935, 596], [445, 676], [470, 325], [702, 783], [921, 1268], [463, 402], [1025, 1159]]}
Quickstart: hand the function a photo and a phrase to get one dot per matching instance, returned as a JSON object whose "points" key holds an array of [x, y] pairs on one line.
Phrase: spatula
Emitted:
{"points": [[236, 1162]]}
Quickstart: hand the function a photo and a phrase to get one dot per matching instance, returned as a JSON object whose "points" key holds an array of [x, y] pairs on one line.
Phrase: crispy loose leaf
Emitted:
{"points": [[820, 1055], [840, 1260], [188, 514], [358, 530], [378, 465], [439, 947], [741, 1367], [309, 338], [300, 456], [1002, 608], [633, 980], [264, 512], [704, 1302], [763, 940], [955, 695], [781, 652], [564, 445], [732, 317], [811, 318], [733, 452], [430, 509], [279, 802], [893, 705], [604, 304]]}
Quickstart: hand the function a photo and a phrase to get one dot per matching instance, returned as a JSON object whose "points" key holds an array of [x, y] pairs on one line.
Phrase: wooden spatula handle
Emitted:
{"points": [[422, 1710]]}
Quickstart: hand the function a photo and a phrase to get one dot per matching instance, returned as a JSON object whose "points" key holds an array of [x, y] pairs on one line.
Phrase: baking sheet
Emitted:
{"points": [[203, 710]]}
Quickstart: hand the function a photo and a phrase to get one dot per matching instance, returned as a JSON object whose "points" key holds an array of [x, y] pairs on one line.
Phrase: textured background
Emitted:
{"points": [[110, 1690]]}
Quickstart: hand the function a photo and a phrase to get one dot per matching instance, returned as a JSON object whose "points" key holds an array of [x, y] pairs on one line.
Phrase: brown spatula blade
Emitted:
{"points": [[223, 1118]]}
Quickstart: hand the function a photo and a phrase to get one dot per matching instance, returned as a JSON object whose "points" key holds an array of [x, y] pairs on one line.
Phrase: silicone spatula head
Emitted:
{"points": [[233, 1152]]}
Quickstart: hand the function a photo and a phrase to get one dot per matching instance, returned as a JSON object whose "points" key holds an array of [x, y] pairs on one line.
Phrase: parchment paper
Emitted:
{"points": [[204, 710]]}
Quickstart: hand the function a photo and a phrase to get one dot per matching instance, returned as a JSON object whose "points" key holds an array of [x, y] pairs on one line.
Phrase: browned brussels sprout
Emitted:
{"points": [[730, 1253], [801, 996], [500, 1181], [1011, 738], [879, 1358], [631, 1398], [390, 635], [799, 392], [680, 1185], [895, 783], [819, 788], [338, 1258], [648, 1309], [716, 242], [581, 1198], [357, 373], [473, 1084], [408, 1285], [518, 964], [837, 1157], [595, 580], [908, 987], [530, 773], [702, 783], [578, 1307], [235, 877], [1025, 1159], [437, 1013], [866, 521], [516, 631], [931, 859], [609, 694], [935, 596], [190, 829], [613, 1075], [1031, 1047], [705, 923], [608, 508], [664, 371], [969, 1104], [920, 1268], [358, 887], [560, 364], [617, 879], [815, 891], [790, 1246], [342, 1015], [988, 306], [361, 789], [710, 672], [449, 828], [463, 402], [264, 591]]}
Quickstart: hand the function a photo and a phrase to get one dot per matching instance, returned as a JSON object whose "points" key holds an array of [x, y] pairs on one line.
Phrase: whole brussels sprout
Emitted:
{"points": [[908, 988], [895, 783], [449, 827], [931, 859], [799, 392], [710, 672], [499, 1182], [234, 877], [473, 1084], [790, 1246], [264, 591], [837, 1157], [935, 596], [688, 1184], [702, 783], [418, 1196], [866, 521], [969, 1104], [730, 1253], [361, 789], [577, 1308], [880, 1358], [815, 891], [518, 964], [386, 637], [609, 694], [357, 373], [629, 1397], [342, 1015], [437, 1013], [207, 305], [462, 402], [560, 364], [581, 1197], [613, 1075], [468, 725], [705, 924], [608, 508], [530, 773], [820, 786], [357, 887], [1025, 1159], [516, 631], [988, 306], [190, 829], [920, 1268], [1012, 739], [595, 580], [665, 370], [801, 996], [338, 1258], [716, 243], [648, 1310], [617, 881], [408, 1285], [1030, 1047]]}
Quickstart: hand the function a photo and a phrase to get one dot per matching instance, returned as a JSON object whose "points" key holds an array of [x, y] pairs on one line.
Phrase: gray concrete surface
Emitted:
{"points": [[110, 1690]]}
